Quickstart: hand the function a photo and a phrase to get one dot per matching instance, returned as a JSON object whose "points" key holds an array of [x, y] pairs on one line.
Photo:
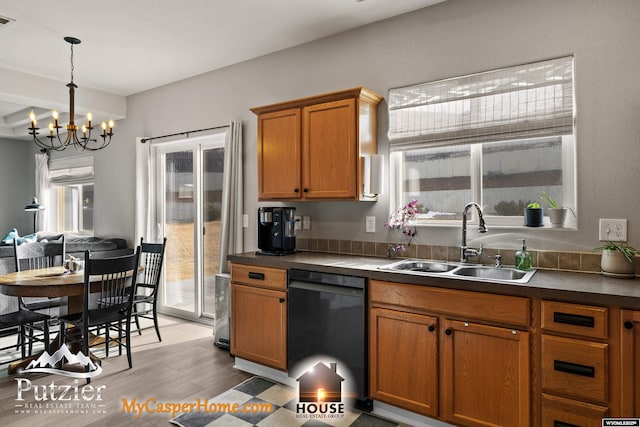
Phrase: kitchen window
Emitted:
{"points": [[499, 138]]}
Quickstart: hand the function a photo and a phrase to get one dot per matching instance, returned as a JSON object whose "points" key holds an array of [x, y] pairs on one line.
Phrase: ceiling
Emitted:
{"points": [[132, 46]]}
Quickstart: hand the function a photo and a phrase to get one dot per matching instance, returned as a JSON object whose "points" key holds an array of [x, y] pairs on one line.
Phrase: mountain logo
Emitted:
{"points": [[47, 363]]}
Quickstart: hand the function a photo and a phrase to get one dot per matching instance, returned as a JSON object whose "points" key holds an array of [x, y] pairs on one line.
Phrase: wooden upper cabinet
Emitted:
{"points": [[311, 148], [329, 154], [279, 154]]}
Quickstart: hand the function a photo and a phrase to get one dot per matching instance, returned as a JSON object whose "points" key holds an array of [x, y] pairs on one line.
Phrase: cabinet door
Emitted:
{"points": [[329, 150], [630, 366], [485, 375], [403, 360], [279, 155], [259, 325]]}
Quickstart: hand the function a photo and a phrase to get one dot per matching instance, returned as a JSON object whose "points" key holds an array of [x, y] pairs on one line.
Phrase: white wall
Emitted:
{"points": [[453, 38], [17, 185]]}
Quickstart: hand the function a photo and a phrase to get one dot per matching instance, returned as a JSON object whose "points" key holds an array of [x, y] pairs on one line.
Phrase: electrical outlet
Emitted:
{"points": [[245, 221], [613, 230], [297, 225], [306, 222], [370, 224]]}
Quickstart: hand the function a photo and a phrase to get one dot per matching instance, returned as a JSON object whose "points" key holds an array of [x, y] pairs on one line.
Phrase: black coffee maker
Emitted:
{"points": [[275, 230]]}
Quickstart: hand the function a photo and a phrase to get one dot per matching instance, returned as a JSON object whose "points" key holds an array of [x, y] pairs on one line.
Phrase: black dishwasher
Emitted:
{"points": [[327, 318]]}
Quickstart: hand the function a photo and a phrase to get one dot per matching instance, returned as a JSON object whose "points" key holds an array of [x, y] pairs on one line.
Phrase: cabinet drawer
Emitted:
{"points": [[477, 305], [585, 320], [575, 368], [265, 277], [560, 412]]}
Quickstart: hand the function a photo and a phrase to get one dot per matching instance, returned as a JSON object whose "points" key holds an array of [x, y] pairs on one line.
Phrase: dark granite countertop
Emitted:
{"points": [[586, 288]]}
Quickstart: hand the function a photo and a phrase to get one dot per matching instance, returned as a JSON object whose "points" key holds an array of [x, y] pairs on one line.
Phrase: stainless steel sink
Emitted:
{"points": [[452, 269], [419, 266], [495, 273]]}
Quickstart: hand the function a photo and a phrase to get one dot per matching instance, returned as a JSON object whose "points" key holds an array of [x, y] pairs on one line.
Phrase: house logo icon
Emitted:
{"points": [[320, 392], [321, 383]]}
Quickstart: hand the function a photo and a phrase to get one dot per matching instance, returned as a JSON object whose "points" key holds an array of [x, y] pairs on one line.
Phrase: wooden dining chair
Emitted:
{"points": [[145, 298], [109, 284], [21, 323], [30, 256]]}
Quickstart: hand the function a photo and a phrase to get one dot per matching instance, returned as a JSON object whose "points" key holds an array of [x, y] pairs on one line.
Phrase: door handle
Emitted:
{"points": [[557, 423], [573, 319], [574, 368]]}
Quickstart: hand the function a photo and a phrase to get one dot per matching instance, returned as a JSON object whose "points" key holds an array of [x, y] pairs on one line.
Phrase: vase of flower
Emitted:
{"points": [[403, 219]]}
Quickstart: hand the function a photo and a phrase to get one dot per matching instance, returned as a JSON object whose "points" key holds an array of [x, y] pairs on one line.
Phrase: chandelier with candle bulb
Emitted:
{"points": [[81, 142]]}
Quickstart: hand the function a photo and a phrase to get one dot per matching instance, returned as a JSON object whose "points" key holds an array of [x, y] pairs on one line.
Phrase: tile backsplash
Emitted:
{"points": [[587, 262]]}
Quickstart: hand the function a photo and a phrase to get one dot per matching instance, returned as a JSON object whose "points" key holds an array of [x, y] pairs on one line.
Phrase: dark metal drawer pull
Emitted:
{"points": [[574, 319], [574, 368], [557, 423], [257, 276]]}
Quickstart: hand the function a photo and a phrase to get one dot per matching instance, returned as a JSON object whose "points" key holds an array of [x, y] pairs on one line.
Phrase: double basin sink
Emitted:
{"points": [[459, 270]]}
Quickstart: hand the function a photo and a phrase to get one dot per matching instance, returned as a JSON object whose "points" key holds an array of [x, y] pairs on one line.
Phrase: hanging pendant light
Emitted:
{"points": [[80, 142]]}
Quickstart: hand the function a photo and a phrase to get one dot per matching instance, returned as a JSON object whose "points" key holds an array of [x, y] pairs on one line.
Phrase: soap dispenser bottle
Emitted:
{"points": [[524, 259]]}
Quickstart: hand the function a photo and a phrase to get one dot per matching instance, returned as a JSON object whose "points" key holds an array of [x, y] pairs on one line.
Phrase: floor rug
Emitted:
{"points": [[258, 390]]}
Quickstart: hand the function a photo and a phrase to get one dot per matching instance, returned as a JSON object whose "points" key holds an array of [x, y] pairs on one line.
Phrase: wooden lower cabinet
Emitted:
{"points": [[630, 346], [403, 351], [259, 325], [561, 412], [485, 375], [467, 373]]}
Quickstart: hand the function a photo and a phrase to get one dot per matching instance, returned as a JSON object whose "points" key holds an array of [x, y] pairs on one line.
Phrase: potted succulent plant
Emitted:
{"points": [[618, 260], [557, 214], [533, 215]]}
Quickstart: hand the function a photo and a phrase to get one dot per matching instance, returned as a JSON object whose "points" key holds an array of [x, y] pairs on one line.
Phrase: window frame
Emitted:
{"points": [[569, 189], [64, 173]]}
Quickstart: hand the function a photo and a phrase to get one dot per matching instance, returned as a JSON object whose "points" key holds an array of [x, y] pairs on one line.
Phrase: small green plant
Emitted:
{"points": [[628, 251], [533, 205], [549, 200], [553, 204]]}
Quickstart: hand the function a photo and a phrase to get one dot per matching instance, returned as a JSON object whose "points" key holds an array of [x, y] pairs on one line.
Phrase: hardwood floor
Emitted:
{"points": [[184, 367]]}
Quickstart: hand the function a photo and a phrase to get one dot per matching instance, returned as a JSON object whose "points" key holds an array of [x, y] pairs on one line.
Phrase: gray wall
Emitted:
{"points": [[17, 185], [453, 38]]}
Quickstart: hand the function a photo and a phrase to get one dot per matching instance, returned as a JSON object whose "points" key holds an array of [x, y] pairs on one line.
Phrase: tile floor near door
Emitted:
{"points": [[182, 368]]}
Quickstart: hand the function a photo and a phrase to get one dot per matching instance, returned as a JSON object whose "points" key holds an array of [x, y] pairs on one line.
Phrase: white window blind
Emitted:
{"points": [[72, 170], [524, 101]]}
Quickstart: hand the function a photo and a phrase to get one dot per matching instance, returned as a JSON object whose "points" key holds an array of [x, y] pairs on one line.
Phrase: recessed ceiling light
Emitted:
{"points": [[4, 21]]}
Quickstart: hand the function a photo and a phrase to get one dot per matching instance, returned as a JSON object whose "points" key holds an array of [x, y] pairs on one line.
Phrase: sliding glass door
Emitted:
{"points": [[189, 177]]}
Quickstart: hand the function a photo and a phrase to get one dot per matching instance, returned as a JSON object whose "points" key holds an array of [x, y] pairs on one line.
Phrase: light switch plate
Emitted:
{"points": [[613, 230], [245, 221], [306, 222], [370, 224]]}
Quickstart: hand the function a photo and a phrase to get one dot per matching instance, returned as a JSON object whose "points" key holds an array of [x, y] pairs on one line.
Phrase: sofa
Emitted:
{"points": [[76, 245]]}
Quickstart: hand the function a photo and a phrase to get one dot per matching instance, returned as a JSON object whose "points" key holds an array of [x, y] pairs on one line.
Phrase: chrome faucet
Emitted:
{"points": [[466, 252]]}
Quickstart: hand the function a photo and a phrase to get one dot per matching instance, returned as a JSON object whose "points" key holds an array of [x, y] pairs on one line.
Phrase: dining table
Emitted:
{"points": [[51, 282]]}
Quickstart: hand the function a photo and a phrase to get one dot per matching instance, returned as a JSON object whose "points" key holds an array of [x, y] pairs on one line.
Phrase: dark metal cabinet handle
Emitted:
{"points": [[306, 190], [257, 276], [628, 325], [573, 319], [557, 423], [296, 190], [281, 300], [448, 332], [574, 368], [432, 328]]}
